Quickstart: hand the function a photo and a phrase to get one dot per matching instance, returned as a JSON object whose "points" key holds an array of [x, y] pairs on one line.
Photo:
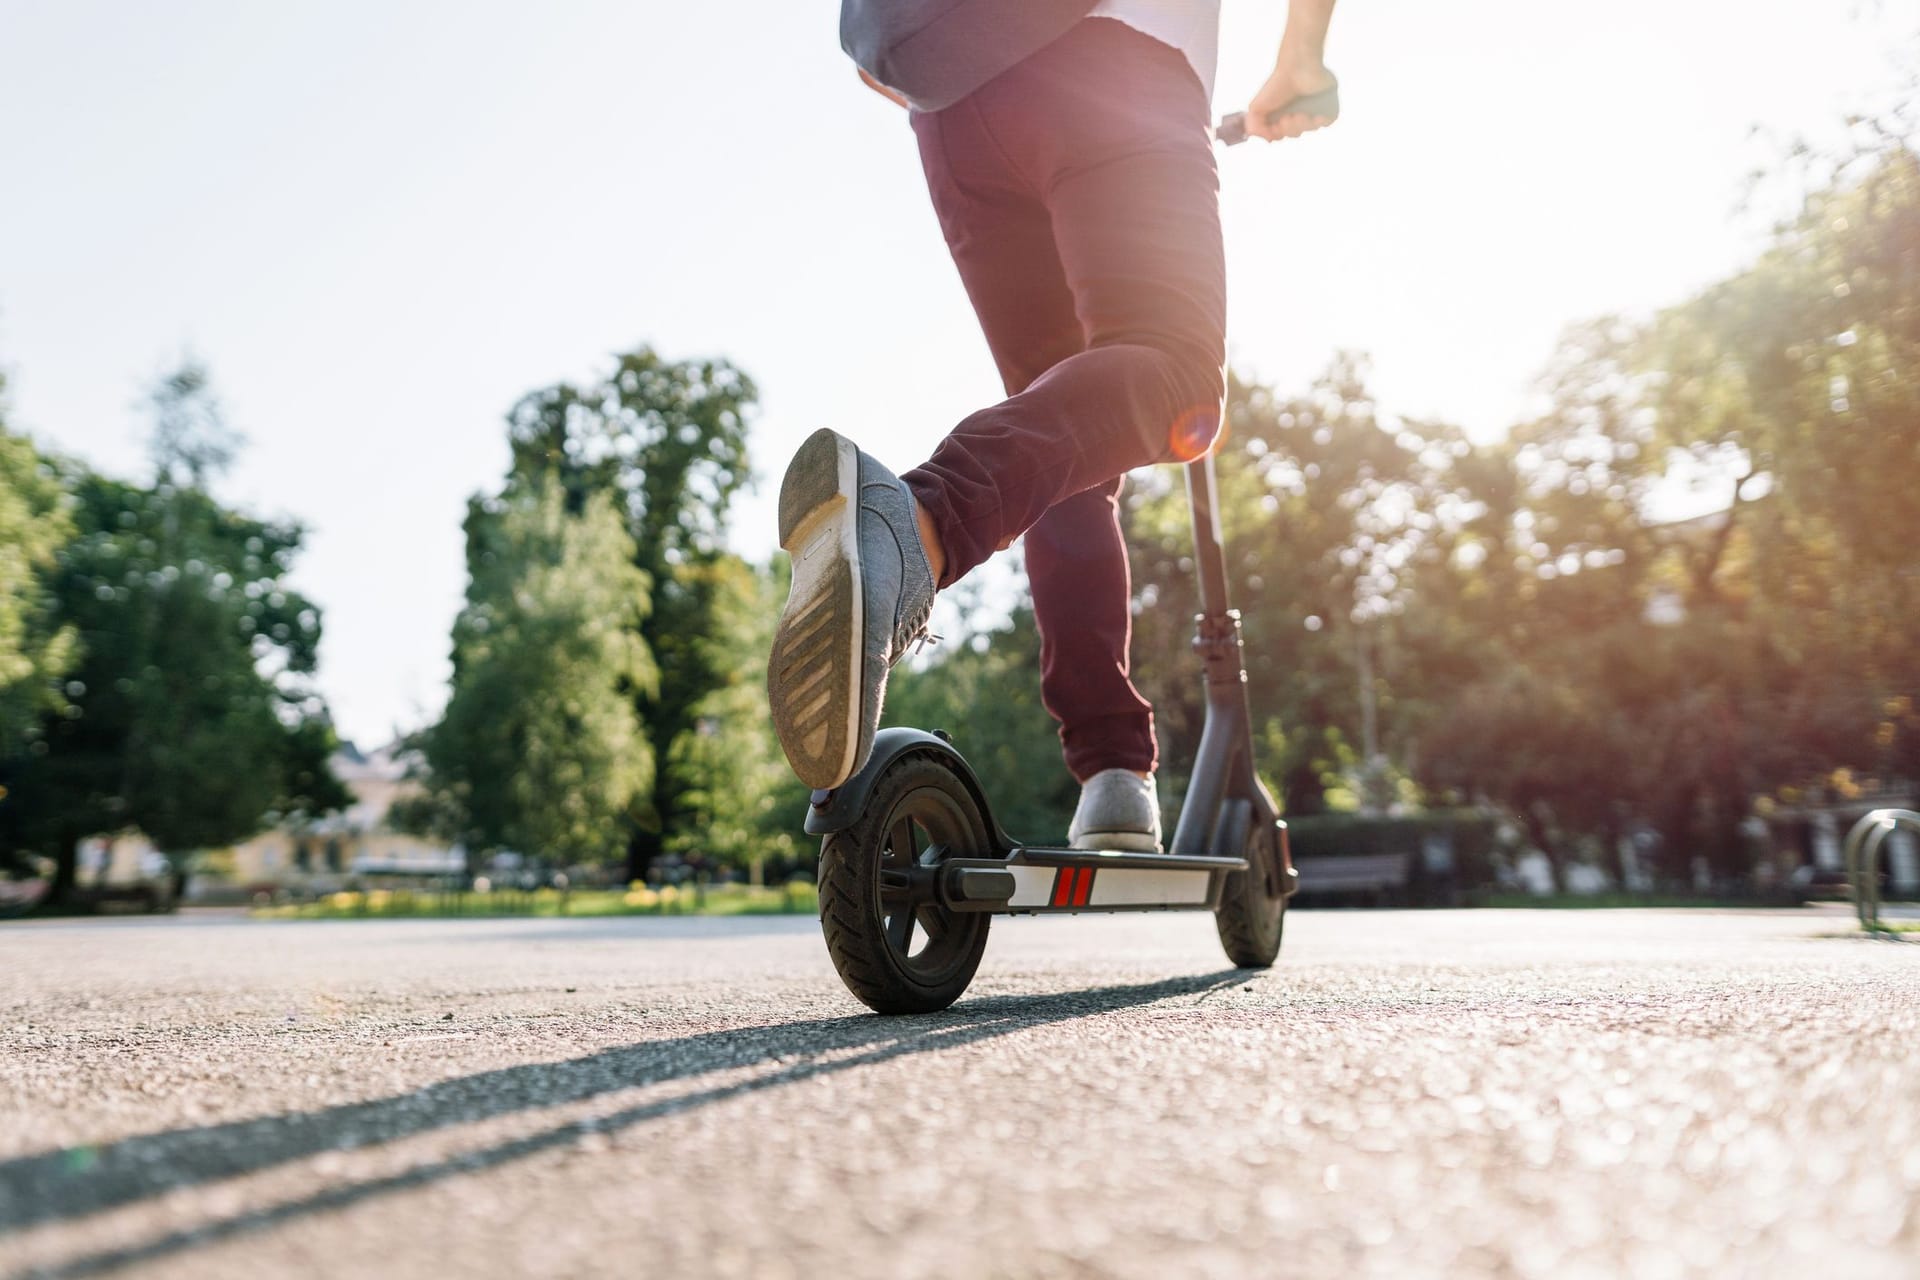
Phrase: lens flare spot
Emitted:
{"points": [[1195, 432]]}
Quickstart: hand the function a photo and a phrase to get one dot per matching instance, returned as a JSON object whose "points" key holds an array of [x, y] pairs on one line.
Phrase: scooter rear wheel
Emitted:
{"points": [[1253, 908], [894, 945]]}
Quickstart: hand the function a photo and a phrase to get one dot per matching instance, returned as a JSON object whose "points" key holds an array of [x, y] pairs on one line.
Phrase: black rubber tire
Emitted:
{"points": [[1250, 918], [939, 811]]}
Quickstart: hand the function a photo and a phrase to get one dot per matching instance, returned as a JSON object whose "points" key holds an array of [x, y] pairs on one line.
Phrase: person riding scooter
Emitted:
{"points": [[1067, 148]]}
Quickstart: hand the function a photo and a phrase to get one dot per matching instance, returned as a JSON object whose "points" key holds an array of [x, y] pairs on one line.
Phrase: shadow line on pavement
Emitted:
{"points": [[66, 1185]]}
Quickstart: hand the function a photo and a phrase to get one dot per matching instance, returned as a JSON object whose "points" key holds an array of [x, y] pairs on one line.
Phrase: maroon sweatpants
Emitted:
{"points": [[1079, 197]]}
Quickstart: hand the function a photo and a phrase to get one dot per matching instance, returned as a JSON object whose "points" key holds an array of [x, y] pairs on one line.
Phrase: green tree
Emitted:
{"points": [[1677, 671], [1806, 368], [34, 524], [667, 441], [540, 749], [190, 713], [1339, 522], [739, 803], [192, 444]]}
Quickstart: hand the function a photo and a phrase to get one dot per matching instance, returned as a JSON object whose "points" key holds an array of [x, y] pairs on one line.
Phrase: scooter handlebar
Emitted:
{"points": [[1232, 129]]}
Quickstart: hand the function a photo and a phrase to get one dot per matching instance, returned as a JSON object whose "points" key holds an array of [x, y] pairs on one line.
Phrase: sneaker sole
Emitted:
{"points": [[813, 674], [1116, 842]]}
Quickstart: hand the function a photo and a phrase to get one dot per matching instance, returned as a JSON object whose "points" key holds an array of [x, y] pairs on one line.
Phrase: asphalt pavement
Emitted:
{"points": [[1553, 1094]]}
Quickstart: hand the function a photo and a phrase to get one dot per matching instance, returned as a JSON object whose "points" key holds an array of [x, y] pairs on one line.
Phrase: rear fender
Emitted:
{"points": [[840, 808]]}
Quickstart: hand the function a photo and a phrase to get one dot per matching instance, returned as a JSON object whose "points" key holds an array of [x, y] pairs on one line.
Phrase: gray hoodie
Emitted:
{"points": [[936, 52]]}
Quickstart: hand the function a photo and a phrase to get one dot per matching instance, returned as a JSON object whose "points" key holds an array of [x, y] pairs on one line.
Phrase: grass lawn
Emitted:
{"points": [[716, 900]]}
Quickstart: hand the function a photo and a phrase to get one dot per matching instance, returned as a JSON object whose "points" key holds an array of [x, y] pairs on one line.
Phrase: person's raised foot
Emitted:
{"points": [[862, 590], [1119, 809]]}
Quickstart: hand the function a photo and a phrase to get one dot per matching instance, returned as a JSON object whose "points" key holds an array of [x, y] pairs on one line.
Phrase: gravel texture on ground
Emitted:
{"points": [[1564, 1094]]}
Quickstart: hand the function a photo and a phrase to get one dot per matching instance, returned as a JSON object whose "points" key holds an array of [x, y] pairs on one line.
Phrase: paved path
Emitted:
{"points": [[1554, 1094]]}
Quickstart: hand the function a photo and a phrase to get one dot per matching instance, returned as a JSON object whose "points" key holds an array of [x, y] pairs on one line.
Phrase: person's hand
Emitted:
{"points": [[891, 95], [1293, 77]]}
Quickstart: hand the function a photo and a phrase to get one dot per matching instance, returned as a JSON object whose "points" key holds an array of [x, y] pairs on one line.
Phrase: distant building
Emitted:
{"points": [[354, 846], [345, 848], [125, 859]]}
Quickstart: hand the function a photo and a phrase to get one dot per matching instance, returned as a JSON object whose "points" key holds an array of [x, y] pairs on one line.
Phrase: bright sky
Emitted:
{"points": [[381, 222]]}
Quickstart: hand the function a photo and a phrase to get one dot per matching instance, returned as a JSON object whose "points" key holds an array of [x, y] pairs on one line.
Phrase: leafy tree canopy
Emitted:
{"points": [[190, 713], [541, 749], [666, 442], [34, 651]]}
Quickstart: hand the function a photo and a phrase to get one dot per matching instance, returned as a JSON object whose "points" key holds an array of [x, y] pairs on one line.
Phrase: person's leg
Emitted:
{"points": [[1082, 602], [1000, 233], [1108, 128], [1002, 241]]}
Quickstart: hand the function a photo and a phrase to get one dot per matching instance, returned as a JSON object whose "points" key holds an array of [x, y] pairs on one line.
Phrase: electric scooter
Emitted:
{"points": [[913, 867]]}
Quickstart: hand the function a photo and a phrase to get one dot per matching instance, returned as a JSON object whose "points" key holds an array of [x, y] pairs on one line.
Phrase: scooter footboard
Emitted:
{"points": [[1067, 881]]}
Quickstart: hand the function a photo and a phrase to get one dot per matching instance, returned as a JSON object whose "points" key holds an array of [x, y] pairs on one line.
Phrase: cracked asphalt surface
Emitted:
{"points": [[1655, 1093]]}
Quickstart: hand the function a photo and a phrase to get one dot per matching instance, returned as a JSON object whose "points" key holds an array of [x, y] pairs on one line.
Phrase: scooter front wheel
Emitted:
{"points": [[895, 946], [1253, 904]]}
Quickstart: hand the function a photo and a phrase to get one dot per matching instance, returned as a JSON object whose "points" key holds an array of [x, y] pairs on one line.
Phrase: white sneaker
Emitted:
{"points": [[1118, 809]]}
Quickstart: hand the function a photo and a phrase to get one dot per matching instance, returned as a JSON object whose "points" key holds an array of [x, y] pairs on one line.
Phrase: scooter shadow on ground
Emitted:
{"points": [[74, 1183]]}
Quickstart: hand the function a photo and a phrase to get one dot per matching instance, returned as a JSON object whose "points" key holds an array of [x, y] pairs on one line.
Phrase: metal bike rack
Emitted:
{"points": [[1863, 859]]}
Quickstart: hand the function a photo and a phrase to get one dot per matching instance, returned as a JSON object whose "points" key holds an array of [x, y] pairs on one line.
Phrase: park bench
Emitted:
{"points": [[1376, 874]]}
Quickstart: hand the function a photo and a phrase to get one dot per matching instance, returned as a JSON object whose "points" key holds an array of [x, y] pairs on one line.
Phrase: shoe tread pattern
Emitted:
{"points": [[807, 675]]}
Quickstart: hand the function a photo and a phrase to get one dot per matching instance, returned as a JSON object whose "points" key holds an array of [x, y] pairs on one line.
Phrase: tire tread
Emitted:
{"points": [[856, 945], [1239, 919]]}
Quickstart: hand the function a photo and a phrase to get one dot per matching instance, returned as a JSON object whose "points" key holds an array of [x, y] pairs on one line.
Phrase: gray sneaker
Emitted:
{"points": [[861, 593], [1118, 809]]}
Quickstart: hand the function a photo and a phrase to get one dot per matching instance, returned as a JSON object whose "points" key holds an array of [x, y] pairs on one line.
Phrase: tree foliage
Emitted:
{"points": [[666, 441], [540, 749], [739, 804], [1676, 673], [190, 713], [34, 651], [1337, 522]]}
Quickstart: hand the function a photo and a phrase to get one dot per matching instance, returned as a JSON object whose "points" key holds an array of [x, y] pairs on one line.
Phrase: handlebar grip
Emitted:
{"points": [[1232, 129]]}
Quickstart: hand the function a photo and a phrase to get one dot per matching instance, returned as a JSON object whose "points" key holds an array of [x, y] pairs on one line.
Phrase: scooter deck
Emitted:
{"points": [[1042, 881]]}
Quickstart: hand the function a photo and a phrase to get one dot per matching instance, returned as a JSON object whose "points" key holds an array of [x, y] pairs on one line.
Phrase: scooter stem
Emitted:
{"points": [[1223, 766], [1209, 546]]}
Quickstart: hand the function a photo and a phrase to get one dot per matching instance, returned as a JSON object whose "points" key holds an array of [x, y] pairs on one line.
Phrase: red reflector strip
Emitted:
{"points": [[1082, 886], [1063, 887]]}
